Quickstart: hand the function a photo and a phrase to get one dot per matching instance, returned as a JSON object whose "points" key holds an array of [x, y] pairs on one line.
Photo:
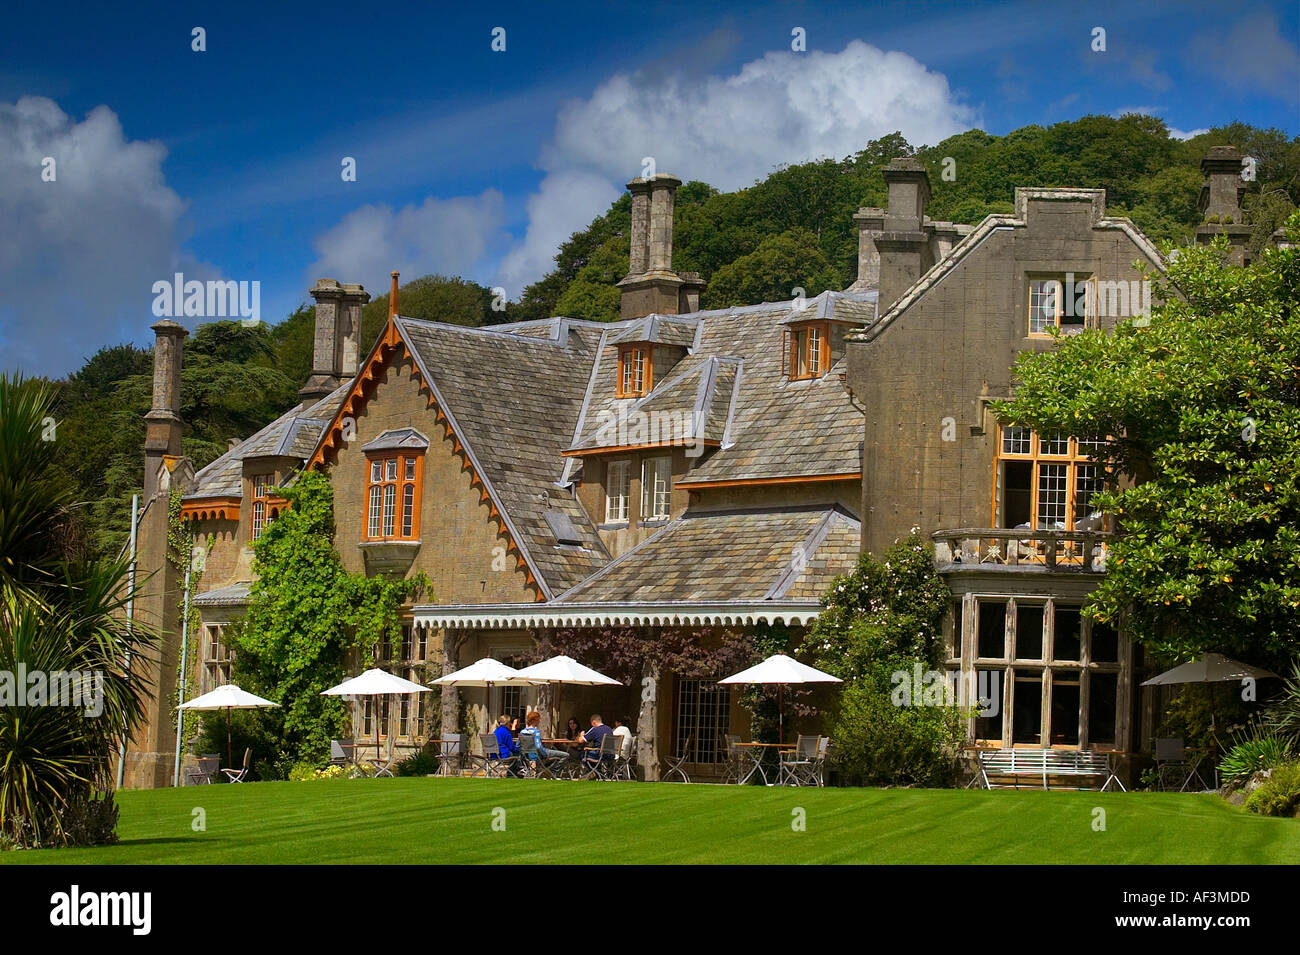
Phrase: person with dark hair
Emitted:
{"points": [[574, 732], [592, 738]]}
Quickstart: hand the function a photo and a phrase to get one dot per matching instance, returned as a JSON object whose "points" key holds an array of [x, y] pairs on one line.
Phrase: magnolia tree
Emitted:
{"points": [[1200, 402]]}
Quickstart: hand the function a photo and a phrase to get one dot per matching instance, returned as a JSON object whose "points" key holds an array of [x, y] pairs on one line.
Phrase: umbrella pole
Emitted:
{"points": [[228, 762], [780, 713]]}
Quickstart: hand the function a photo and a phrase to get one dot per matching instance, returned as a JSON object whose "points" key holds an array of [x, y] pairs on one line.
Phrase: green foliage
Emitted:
{"points": [[772, 271], [888, 611], [60, 612], [1204, 404], [883, 618], [1204, 719], [879, 744], [1283, 713], [420, 763], [1254, 752], [435, 298], [1279, 793], [307, 617]]}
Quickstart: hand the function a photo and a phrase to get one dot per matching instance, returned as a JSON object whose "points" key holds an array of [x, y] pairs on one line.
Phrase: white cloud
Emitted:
{"points": [[564, 203], [1177, 133], [783, 107], [448, 236], [79, 255], [725, 130]]}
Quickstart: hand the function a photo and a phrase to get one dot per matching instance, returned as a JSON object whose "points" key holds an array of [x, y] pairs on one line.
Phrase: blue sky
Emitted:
{"points": [[226, 163]]}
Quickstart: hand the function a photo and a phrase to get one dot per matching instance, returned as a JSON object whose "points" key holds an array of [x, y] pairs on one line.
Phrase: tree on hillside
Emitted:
{"points": [[773, 271], [436, 298], [1203, 405]]}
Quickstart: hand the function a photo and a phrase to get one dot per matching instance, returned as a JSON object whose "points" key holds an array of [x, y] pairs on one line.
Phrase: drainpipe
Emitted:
{"points": [[130, 620], [185, 632]]}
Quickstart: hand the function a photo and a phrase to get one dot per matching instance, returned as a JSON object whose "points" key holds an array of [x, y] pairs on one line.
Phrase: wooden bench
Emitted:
{"points": [[1043, 764]]}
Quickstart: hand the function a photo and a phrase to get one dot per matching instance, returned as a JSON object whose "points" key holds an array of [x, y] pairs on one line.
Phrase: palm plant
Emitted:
{"points": [[1284, 713], [60, 612]]}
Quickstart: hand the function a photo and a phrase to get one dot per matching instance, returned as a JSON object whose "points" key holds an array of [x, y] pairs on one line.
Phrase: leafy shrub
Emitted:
{"points": [[1279, 794], [1283, 715], [420, 763], [877, 743], [1254, 752], [90, 821], [302, 771]]}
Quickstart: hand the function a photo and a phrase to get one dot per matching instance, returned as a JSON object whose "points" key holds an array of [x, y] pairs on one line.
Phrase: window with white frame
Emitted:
{"points": [[1065, 302], [656, 485], [617, 488]]}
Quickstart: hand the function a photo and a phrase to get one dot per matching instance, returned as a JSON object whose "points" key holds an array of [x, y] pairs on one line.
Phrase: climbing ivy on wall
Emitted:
{"points": [[181, 543], [308, 620]]}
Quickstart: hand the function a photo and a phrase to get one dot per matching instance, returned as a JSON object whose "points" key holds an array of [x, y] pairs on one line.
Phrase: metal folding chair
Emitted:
{"points": [[450, 751], [383, 765], [492, 763], [239, 775], [599, 764], [1172, 765], [736, 763], [796, 767], [534, 763], [625, 766], [675, 763]]}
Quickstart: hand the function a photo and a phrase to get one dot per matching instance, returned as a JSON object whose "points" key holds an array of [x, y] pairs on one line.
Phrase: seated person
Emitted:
{"points": [[534, 729], [506, 745], [592, 738], [624, 735], [574, 732]]}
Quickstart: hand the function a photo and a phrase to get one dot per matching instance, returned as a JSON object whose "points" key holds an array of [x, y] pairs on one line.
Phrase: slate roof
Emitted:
{"points": [[761, 554], [514, 404], [294, 434], [770, 427]]}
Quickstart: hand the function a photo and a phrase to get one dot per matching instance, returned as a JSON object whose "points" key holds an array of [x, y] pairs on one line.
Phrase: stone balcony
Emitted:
{"points": [[1021, 549]]}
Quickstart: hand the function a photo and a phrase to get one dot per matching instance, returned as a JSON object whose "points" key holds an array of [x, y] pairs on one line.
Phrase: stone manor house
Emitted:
{"points": [[703, 469]]}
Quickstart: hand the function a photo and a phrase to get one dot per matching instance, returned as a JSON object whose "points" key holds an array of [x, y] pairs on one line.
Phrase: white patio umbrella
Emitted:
{"points": [[561, 670], [486, 672], [782, 671], [376, 682], [227, 697]]}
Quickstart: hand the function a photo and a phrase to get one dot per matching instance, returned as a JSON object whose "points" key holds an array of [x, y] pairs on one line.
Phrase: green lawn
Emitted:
{"points": [[450, 821]]}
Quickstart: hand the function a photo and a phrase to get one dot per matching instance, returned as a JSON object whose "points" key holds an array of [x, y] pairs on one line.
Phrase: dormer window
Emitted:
{"points": [[394, 475], [807, 351], [635, 370], [393, 496]]}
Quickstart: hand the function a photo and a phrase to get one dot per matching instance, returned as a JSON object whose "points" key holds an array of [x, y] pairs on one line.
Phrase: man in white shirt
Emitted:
{"points": [[624, 737]]}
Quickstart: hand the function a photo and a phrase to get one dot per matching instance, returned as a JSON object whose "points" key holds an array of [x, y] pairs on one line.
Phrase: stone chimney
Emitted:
{"points": [[1220, 202], [903, 243], [336, 347], [150, 751], [651, 285], [871, 222], [163, 425]]}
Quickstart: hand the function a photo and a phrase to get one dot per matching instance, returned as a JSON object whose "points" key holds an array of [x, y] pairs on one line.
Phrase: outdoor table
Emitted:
{"points": [[756, 753]]}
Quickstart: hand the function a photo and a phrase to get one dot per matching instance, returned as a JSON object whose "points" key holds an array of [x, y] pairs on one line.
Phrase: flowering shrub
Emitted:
{"points": [[884, 617]]}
